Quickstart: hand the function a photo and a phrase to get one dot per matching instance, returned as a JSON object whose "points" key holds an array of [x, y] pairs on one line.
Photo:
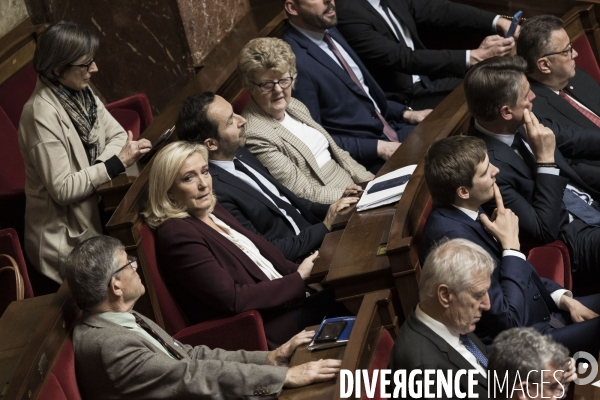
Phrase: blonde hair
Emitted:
{"points": [[165, 167], [265, 54]]}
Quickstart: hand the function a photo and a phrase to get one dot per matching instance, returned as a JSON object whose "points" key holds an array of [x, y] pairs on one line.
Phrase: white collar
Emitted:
{"points": [[504, 138], [452, 338], [470, 213], [227, 165]]}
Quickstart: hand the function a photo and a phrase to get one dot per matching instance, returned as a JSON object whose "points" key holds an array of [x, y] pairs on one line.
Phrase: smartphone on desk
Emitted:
{"points": [[331, 331], [513, 25]]}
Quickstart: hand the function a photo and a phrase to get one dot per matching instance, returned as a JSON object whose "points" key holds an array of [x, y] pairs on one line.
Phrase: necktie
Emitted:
{"points": [[383, 3], [473, 349], [582, 210], [526, 155], [589, 115], [144, 325], [283, 205], [387, 129]]}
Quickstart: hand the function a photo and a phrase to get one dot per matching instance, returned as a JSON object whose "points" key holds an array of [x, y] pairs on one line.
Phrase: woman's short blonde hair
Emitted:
{"points": [[265, 54], [165, 167]]}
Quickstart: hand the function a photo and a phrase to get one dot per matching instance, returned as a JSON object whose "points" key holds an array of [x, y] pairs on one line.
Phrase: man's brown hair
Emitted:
{"points": [[451, 163]]}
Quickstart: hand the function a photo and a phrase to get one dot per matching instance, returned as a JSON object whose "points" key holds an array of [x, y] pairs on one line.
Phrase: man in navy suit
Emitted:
{"points": [[339, 92], [245, 188], [461, 178], [553, 198]]}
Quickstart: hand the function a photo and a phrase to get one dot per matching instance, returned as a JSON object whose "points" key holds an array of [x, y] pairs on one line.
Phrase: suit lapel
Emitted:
{"points": [[391, 34], [585, 95], [559, 104], [235, 182], [403, 15], [462, 218], [454, 357]]}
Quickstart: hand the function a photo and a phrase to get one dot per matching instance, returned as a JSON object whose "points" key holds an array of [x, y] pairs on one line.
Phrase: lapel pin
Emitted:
{"points": [[571, 87]]}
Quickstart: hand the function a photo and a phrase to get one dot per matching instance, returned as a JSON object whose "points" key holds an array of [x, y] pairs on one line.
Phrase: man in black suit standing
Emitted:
{"points": [[384, 35], [438, 333], [244, 186], [536, 180]]}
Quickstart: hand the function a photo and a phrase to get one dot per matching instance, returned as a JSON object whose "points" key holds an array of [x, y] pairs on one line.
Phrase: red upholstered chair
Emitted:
{"points": [[381, 360], [15, 92], [586, 59], [61, 383], [239, 103], [133, 113], [242, 331], [9, 244], [552, 262]]}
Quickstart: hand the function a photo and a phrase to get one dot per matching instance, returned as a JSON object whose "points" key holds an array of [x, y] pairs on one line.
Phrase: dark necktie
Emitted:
{"points": [[473, 349], [383, 3], [283, 205], [144, 325], [589, 115], [387, 129], [526, 155]]}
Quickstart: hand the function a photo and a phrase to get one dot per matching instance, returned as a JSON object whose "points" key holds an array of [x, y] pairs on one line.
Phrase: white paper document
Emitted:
{"points": [[387, 196]]}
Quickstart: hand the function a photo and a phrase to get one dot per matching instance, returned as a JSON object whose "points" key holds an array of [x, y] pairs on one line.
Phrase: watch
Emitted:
{"points": [[407, 108]]}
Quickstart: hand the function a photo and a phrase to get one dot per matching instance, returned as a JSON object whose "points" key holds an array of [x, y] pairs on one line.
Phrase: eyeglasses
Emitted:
{"points": [[569, 49], [283, 83], [87, 65], [132, 263]]}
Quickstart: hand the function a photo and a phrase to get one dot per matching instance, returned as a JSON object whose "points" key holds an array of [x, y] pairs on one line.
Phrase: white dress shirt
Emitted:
{"points": [[376, 4], [230, 167], [312, 138], [247, 247], [317, 38], [450, 337]]}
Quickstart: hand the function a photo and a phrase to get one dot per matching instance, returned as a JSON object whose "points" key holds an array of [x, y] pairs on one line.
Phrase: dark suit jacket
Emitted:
{"points": [[210, 277], [518, 296], [337, 103], [259, 215], [418, 347], [391, 62], [582, 88], [112, 362], [535, 198]]}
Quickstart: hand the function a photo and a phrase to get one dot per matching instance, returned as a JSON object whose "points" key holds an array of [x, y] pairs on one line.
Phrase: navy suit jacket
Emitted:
{"points": [[338, 104], [518, 296], [537, 198], [259, 215], [418, 347], [582, 87], [390, 60]]}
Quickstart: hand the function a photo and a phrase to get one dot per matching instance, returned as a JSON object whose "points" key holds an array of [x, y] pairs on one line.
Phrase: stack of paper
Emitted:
{"points": [[387, 195]]}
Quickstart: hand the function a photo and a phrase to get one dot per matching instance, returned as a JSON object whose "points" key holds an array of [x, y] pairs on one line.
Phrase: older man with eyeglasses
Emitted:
{"points": [[120, 353]]}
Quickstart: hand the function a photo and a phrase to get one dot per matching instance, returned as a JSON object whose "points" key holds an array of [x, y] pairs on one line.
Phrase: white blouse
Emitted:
{"points": [[248, 248], [312, 138]]}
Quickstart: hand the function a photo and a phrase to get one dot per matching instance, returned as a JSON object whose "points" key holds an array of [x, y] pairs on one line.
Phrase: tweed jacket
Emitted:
{"points": [[112, 362], [292, 163], [62, 207]]}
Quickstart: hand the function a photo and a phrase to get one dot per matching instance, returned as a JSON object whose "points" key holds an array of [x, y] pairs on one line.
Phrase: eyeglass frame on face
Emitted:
{"points": [[263, 86], [86, 65], [132, 260], [565, 51]]}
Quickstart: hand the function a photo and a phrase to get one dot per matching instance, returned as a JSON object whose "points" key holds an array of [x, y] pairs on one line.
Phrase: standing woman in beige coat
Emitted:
{"points": [[298, 152], [70, 145]]}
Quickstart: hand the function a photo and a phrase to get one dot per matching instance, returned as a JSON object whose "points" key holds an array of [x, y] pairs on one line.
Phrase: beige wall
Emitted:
{"points": [[13, 12]]}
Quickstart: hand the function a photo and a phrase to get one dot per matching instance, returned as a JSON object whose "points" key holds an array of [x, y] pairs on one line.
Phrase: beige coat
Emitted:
{"points": [[292, 163], [62, 207]]}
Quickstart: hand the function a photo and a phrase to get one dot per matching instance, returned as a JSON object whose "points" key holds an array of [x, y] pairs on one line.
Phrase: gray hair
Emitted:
{"points": [[535, 38], [88, 269], [492, 84], [453, 263], [521, 350], [62, 44]]}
